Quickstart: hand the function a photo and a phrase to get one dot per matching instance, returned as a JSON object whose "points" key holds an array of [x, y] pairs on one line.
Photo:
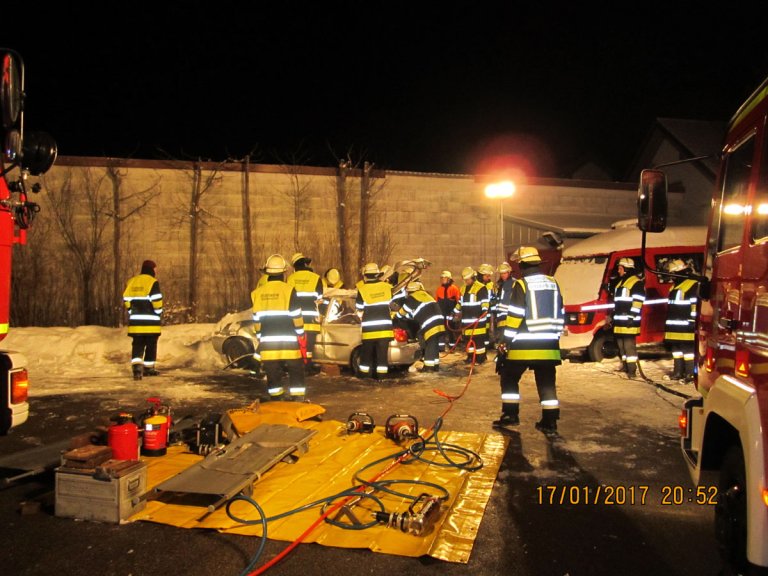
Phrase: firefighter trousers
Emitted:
{"points": [[374, 357], [144, 349], [546, 378]]}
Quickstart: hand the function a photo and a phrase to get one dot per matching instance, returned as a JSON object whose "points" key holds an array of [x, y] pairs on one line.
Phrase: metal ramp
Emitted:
{"points": [[235, 467]]}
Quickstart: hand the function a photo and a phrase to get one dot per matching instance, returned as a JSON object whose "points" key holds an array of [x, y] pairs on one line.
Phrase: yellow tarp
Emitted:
{"points": [[329, 467]]}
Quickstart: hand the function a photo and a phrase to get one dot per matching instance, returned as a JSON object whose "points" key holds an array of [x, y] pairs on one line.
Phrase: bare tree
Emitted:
{"points": [[81, 212], [120, 199], [341, 221]]}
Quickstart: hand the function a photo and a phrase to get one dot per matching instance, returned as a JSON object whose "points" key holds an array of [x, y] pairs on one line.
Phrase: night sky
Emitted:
{"points": [[421, 86]]}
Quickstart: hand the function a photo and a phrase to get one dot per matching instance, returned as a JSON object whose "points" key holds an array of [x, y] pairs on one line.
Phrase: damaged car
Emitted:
{"points": [[340, 336]]}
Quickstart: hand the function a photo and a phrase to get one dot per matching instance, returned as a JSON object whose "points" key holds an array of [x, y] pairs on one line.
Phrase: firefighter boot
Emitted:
{"points": [[150, 371], [137, 372], [678, 372], [509, 417], [688, 372], [548, 422]]}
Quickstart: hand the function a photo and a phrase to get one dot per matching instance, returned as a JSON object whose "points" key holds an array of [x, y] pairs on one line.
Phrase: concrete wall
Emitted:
{"points": [[443, 218]]}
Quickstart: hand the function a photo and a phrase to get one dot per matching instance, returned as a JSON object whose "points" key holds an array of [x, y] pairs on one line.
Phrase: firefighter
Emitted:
{"points": [[331, 279], [278, 325], [534, 322], [144, 301], [472, 308], [309, 289], [374, 297], [503, 290], [447, 295], [628, 300], [485, 277], [681, 319], [420, 307]]}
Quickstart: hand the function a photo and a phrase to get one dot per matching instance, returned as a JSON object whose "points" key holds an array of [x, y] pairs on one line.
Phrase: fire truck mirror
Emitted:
{"points": [[652, 201], [10, 91]]}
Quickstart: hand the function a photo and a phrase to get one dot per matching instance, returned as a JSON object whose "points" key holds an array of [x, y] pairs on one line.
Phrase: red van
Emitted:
{"points": [[586, 270]]}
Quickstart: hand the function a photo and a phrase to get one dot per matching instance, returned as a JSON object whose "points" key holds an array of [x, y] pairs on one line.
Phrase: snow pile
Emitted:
{"points": [[107, 351]]}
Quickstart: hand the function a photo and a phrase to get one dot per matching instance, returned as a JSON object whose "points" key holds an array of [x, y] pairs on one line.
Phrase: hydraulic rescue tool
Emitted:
{"points": [[360, 422], [400, 427], [417, 520]]}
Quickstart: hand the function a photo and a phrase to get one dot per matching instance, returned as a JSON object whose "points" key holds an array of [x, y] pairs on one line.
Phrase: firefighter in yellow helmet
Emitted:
{"points": [[534, 322], [485, 276], [373, 299], [309, 289], [473, 306], [628, 300], [278, 324], [424, 310]]}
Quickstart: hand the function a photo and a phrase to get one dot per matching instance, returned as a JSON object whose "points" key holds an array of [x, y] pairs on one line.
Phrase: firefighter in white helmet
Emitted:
{"points": [[373, 299], [473, 307], [503, 292], [424, 310], [534, 322], [628, 300], [278, 324], [680, 326], [309, 289]]}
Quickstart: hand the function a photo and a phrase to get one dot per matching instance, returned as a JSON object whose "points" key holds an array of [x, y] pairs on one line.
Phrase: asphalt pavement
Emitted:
{"points": [[549, 511]]}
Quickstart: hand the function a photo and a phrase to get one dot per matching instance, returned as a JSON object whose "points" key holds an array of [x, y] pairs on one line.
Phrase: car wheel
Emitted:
{"points": [[239, 353], [602, 346], [731, 510]]}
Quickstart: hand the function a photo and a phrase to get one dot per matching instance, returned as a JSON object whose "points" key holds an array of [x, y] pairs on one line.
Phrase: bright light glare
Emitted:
{"points": [[500, 189], [762, 209], [735, 209]]}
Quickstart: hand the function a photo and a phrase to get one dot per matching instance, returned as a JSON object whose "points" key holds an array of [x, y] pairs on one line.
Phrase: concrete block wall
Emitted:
{"points": [[443, 218]]}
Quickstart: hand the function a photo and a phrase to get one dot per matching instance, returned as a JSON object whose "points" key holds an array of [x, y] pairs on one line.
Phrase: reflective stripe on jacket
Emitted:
{"points": [[278, 322], [422, 308], [144, 301], [373, 299], [309, 289], [535, 319], [681, 311], [628, 302], [473, 307]]}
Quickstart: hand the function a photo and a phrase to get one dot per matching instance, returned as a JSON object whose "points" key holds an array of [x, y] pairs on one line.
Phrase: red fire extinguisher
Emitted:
{"points": [[156, 426], [123, 437]]}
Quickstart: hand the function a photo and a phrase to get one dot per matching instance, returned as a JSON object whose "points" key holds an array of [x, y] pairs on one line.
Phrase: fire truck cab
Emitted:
{"points": [[24, 154], [724, 432]]}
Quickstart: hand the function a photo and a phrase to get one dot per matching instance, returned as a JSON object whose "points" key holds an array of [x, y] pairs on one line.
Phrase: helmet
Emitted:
{"points": [[299, 256], [627, 263], [371, 268], [676, 265], [275, 264], [414, 286], [445, 274], [528, 255], [386, 271], [467, 273], [484, 269], [504, 267], [332, 275]]}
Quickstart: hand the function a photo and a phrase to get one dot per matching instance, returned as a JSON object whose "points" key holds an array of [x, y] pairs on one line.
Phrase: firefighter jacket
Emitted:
{"points": [[628, 301], [535, 318], [420, 307], [473, 306], [681, 311], [278, 322], [309, 289], [504, 291], [373, 300], [447, 295], [144, 301]]}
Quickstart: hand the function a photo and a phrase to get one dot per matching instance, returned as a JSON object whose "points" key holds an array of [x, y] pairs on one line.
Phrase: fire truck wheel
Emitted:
{"points": [[731, 510], [602, 346]]}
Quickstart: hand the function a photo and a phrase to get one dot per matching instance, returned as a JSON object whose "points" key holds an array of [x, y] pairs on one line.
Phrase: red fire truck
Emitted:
{"points": [[24, 154], [725, 430]]}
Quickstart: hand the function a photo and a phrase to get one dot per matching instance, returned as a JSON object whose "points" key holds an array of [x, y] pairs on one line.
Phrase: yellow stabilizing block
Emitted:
{"points": [[328, 468]]}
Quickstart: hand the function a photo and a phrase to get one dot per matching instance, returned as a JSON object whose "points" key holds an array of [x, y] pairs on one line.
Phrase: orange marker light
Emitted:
{"points": [[682, 422]]}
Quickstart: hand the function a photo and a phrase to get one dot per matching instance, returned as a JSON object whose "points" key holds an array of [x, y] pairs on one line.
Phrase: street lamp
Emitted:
{"points": [[501, 190]]}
